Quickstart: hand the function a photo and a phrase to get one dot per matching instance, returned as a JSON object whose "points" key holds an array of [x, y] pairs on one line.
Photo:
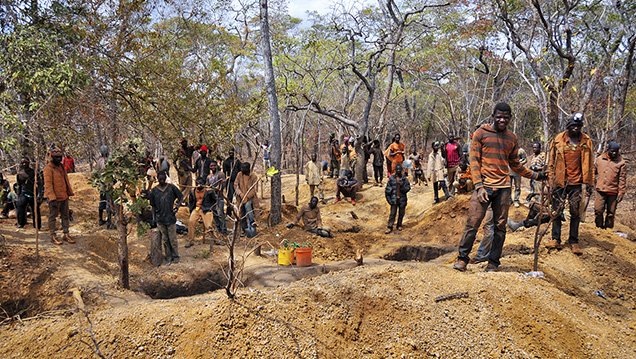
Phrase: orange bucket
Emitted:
{"points": [[303, 257]]}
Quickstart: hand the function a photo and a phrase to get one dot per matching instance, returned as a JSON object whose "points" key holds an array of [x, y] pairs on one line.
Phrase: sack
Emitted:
{"points": [[181, 229]]}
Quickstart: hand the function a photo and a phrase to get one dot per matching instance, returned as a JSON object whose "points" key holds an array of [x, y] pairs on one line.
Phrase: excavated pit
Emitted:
{"points": [[185, 285], [418, 253]]}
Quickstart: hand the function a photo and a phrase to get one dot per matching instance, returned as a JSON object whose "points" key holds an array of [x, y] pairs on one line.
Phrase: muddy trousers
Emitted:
{"points": [[185, 182], [499, 198], [377, 173], [573, 195], [515, 178], [483, 252], [536, 190], [346, 192], [169, 238], [334, 168], [312, 189], [605, 202], [451, 177], [436, 188], [219, 215], [399, 210], [63, 211], [208, 218]]}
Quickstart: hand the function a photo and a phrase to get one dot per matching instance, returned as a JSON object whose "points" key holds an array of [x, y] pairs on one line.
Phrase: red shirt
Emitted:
{"points": [[452, 154]]}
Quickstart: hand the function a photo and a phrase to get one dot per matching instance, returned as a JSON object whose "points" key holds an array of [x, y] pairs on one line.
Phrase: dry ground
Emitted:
{"points": [[333, 309]]}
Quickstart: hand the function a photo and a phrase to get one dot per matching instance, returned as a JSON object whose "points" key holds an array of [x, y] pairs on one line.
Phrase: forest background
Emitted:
{"points": [[80, 74]]}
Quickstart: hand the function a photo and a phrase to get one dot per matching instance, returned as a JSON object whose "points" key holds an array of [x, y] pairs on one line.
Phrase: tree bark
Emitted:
{"points": [[122, 248], [156, 254], [274, 118]]}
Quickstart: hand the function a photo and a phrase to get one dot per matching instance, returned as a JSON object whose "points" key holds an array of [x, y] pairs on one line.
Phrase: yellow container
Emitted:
{"points": [[286, 256]]}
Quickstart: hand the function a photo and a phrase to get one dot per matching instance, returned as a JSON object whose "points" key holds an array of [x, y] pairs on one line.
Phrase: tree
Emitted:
{"points": [[121, 178], [274, 118]]}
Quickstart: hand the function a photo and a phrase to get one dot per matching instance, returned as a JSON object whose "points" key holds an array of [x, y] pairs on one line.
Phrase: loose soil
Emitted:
{"points": [[386, 308]]}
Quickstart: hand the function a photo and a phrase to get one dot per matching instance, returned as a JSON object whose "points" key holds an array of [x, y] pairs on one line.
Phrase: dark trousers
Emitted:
{"points": [[230, 197], [436, 187], [346, 192], [500, 200], [378, 173], [536, 190], [605, 202], [24, 202], [532, 219], [334, 170], [219, 215], [400, 212], [62, 210], [7, 207], [573, 195]]}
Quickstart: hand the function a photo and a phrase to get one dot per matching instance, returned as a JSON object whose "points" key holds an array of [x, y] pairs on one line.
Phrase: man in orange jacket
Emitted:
{"points": [[57, 190], [611, 184]]}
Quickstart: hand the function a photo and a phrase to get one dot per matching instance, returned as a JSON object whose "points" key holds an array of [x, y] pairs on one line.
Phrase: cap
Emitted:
{"points": [[203, 148], [613, 146], [351, 139]]}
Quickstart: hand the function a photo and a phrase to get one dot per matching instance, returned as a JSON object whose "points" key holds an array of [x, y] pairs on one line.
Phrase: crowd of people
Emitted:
{"points": [[488, 165]]}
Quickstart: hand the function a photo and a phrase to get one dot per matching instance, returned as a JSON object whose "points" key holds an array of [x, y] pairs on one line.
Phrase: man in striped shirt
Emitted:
{"points": [[493, 153]]}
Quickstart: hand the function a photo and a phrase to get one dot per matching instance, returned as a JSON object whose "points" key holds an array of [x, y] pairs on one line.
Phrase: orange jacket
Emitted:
{"points": [[611, 175], [556, 163], [56, 184]]}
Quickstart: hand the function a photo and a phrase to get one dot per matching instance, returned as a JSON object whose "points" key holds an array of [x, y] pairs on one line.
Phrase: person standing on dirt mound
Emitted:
{"points": [[571, 164], [202, 166], [493, 153], [313, 174], [435, 171], [57, 190], [310, 214], [231, 169], [201, 204], [346, 185], [216, 181], [396, 152], [611, 183], [104, 199], [378, 162], [183, 163], [245, 188], [335, 154], [165, 199], [26, 197], [536, 164], [395, 192], [452, 153]]}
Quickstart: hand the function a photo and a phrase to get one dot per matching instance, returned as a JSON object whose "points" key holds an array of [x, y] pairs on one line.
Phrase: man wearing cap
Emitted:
{"points": [[334, 166], [345, 158], [570, 166], [611, 184], [183, 163], [57, 190], [202, 166]]}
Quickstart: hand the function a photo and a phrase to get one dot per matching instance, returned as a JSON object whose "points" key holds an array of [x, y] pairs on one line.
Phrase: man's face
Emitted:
{"points": [[24, 164], [451, 137], [245, 168], [613, 154], [436, 147], [203, 153], [214, 167], [397, 138], [398, 170], [536, 149], [231, 154], [501, 120], [199, 185], [313, 157], [184, 143], [56, 160], [313, 202], [574, 130], [162, 179], [463, 166]]}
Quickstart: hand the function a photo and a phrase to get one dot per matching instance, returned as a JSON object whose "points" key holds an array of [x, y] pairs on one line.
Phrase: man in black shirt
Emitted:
{"points": [[26, 180], [164, 208]]}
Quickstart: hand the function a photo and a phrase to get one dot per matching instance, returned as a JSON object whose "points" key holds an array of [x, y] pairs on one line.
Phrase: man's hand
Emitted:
{"points": [[53, 204], [619, 199], [541, 176], [482, 195], [290, 226], [588, 190], [175, 209]]}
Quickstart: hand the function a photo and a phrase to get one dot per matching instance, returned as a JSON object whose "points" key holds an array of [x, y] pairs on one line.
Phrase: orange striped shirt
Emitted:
{"points": [[492, 155]]}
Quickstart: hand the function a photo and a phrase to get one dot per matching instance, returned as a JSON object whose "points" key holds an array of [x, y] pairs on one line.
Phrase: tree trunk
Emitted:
{"points": [[272, 100], [156, 254], [122, 247]]}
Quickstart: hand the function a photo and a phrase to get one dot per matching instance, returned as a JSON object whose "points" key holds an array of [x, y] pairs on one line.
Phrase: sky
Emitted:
{"points": [[297, 8]]}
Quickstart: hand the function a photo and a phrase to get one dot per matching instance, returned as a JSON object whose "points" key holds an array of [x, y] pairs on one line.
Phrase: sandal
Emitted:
{"points": [[388, 230]]}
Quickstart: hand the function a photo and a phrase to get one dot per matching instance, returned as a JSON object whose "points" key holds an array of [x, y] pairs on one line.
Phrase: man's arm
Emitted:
{"points": [[299, 215], [515, 164], [475, 160], [319, 220]]}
